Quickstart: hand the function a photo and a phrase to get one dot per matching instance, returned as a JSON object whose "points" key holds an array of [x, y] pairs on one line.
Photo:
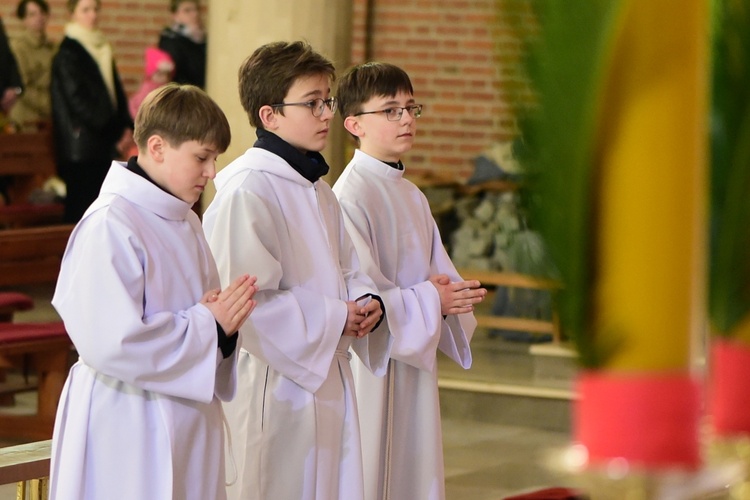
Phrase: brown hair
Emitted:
{"points": [[71, 4], [181, 113], [267, 75], [361, 83], [175, 4], [23, 6]]}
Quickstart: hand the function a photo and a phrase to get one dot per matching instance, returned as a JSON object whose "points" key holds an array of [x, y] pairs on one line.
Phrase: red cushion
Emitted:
{"points": [[550, 494], [16, 300], [23, 332]]}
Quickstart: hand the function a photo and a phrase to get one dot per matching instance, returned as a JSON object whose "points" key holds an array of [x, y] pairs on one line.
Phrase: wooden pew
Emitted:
{"points": [[45, 349], [28, 159], [32, 255], [12, 302], [498, 278]]}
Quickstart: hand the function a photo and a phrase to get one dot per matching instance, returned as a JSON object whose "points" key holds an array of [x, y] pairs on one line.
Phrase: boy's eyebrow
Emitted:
{"points": [[313, 93], [394, 102]]}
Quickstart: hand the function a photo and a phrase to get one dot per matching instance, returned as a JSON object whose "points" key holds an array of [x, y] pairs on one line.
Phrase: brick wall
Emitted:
{"points": [[130, 25], [458, 53]]}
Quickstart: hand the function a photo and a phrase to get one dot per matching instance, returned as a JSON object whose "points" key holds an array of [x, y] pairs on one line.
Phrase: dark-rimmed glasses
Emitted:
{"points": [[394, 114], [316, 105]]}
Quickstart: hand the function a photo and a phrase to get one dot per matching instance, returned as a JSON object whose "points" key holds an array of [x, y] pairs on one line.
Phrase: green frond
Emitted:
{"points": [[729, 263], [567, 62]]}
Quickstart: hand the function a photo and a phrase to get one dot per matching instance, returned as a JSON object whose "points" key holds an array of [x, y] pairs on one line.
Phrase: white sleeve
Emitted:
{"points": [[456, 329], [289, 328], [373, 349], [100, 296], [413, 313]]}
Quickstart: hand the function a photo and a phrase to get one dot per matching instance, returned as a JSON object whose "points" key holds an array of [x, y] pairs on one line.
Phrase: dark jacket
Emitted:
{"points": [[9, 75], [85, 123], [189, 57]]}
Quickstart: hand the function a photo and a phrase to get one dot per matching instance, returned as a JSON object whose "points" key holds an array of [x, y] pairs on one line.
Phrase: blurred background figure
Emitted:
{"points": [[91, 120], [185, 42], [158, 70], [34, 53], [11, 85]]}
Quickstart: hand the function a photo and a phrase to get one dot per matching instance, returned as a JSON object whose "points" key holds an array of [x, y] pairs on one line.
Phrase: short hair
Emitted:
{"points": [[181, 113], [23, 4], [175, 4], [71, 4], [267, 75], [361, 83]]}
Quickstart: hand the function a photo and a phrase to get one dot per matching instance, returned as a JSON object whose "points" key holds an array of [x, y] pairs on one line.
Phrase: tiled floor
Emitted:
{"points": [[485, 459]]}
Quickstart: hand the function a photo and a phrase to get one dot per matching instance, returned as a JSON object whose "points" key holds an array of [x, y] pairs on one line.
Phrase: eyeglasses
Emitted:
{"points": [[395, 114], [316, 105]]}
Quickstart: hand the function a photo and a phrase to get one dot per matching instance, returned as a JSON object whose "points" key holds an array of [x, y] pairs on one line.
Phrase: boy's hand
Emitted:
{"points": [[457, 297], [233, 305], [360, 319]]}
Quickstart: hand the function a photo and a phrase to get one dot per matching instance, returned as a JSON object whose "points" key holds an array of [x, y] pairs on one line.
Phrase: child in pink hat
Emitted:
{"points": [[159, 71]]}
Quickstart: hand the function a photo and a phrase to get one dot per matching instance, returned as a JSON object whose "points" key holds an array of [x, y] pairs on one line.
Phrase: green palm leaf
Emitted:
{"points": [[568, 60], [729, 265]]}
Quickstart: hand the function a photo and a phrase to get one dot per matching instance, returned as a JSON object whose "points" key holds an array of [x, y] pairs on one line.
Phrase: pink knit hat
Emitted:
{"points": [[157, 59]]}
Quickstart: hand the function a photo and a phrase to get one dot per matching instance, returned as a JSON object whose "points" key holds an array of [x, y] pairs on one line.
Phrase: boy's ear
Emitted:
{"points": [[352, 125], [268, 117], [155, 146]]}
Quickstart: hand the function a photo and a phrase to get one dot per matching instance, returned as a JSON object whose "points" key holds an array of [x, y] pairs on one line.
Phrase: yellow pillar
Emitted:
{"points": [[651, 202], [237, 27]]}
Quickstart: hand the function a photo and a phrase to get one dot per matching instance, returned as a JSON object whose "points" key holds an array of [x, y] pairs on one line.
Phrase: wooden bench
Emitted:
{"points": [[30, 214], [28, 160], [32, 255], [496, 278], [12, 302], [45, 349]]}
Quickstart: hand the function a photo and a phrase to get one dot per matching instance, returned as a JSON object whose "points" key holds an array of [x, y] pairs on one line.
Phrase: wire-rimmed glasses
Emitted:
{"points": [[394, 114], [316, 105]]}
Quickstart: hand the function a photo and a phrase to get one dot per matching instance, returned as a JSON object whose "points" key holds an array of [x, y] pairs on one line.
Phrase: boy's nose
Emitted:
{"points": [[327, 113]]}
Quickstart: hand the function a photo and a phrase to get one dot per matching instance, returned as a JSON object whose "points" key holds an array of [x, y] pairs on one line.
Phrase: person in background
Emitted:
{"points": [[11, 85], [34, 53], [91, 121], [430, 307], [185, 42], [158, 71]]}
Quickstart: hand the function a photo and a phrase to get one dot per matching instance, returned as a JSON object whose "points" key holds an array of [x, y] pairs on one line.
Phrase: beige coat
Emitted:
{"points": [[34, 56]]}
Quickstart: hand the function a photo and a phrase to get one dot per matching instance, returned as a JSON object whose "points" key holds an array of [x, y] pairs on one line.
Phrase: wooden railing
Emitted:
{"points": [[497, 278], [28, 466]]}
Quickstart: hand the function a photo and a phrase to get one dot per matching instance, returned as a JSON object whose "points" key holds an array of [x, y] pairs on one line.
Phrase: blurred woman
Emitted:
{"points": [[91, 121], [34, 54]]}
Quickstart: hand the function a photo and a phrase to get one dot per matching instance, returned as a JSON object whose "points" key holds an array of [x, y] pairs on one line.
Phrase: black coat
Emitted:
{"points": [[9, 75], [189, 57], [85, 123]]}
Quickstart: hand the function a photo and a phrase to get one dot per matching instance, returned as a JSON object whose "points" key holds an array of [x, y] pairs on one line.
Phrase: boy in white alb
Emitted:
{"points": [[429, 306], [138, 290], [294, 423]]}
